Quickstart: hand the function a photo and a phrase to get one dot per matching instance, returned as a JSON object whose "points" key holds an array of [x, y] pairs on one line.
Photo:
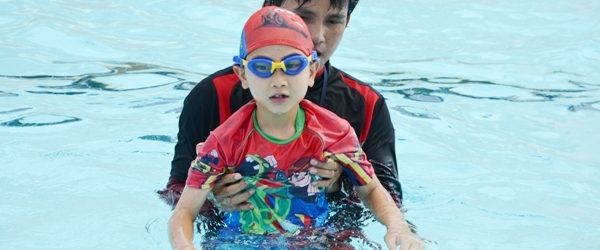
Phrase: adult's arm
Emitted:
{"points": [[381, 152], [198, 117]]}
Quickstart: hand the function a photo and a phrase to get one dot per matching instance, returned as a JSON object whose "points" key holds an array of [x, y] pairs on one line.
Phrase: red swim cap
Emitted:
{"points": [[275, 26]]}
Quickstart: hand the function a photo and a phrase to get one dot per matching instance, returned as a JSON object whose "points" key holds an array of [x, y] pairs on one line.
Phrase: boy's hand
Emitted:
{"points": [[329, 171], [405, 239]]}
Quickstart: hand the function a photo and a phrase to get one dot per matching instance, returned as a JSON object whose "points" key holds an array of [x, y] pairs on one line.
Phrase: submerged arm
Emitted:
{"points": [[383, 207], [181, 224]]}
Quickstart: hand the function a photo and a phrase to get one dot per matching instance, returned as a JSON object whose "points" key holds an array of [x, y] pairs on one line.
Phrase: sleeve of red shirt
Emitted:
{"points": [[347, 151], [208, 165]]}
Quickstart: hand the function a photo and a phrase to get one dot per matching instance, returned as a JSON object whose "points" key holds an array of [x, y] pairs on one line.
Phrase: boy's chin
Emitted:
{"points": [[279, 109]]}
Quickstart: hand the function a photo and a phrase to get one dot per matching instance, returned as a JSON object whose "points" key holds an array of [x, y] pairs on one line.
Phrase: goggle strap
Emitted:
{"points": [[237, 60], [313, 56]]}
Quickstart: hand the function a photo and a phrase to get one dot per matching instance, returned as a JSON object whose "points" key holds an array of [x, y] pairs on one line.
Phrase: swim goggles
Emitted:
{"points": [[264, 67]]}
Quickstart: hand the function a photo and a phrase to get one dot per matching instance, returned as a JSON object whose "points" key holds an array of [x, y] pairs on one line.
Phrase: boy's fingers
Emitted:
{"points": [[317, 163], [325, 173], [329, 169], [324, 183], [390, 245], [329, 164], [410, 242], [395, 241]]}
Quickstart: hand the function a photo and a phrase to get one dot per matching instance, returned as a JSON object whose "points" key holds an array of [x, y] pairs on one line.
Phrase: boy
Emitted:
{"points": [[217, 96], [271, 139]]}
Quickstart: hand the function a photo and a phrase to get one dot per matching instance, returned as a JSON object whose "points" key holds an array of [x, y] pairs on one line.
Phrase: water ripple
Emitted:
{"points": [[584, 106], [163, 138], [154, 102], [121, 76], [187, 85], [14, 110], [7, 94], [583, 84], [127, 82], [475, 89], [414, 112], [40, 120], [56, 92], [419, 94], [175, 110]]}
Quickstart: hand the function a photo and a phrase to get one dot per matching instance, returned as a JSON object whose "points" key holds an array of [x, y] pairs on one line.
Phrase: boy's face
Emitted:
{"points": [[326, 25], [279, 93]]}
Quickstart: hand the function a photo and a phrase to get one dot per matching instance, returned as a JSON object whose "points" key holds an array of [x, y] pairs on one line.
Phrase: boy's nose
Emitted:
{"points": [[278, 79]]}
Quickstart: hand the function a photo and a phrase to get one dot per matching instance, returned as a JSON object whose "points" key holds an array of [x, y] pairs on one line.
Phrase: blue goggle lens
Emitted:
{"points": [[265, 67]]}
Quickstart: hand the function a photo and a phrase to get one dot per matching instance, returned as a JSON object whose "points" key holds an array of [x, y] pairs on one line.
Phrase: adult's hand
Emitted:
{"points": [[172, 192], [230, 195], [329, 171], [228, 191]]}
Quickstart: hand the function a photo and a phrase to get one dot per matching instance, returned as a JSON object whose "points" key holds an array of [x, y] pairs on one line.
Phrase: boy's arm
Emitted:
{"points": [[181, 224], [383, 207], [203, 173]]}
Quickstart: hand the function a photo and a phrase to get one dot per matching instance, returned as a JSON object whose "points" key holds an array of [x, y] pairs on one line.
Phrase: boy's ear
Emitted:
{"points": [[313, 73], [241, 74]]}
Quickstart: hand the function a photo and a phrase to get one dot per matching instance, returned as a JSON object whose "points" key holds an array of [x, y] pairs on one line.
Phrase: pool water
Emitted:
{"points": [[496, 107]]}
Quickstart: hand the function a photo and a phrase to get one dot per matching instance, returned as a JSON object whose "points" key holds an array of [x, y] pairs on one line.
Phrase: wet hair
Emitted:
{"points": [[337, 4]]}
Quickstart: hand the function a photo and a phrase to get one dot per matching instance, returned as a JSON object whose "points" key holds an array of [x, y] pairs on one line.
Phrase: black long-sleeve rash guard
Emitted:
{"points": [[214, 99]]}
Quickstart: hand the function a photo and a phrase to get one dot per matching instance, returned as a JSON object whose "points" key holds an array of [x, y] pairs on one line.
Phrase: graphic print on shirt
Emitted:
{"points": [[284, 200]]}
